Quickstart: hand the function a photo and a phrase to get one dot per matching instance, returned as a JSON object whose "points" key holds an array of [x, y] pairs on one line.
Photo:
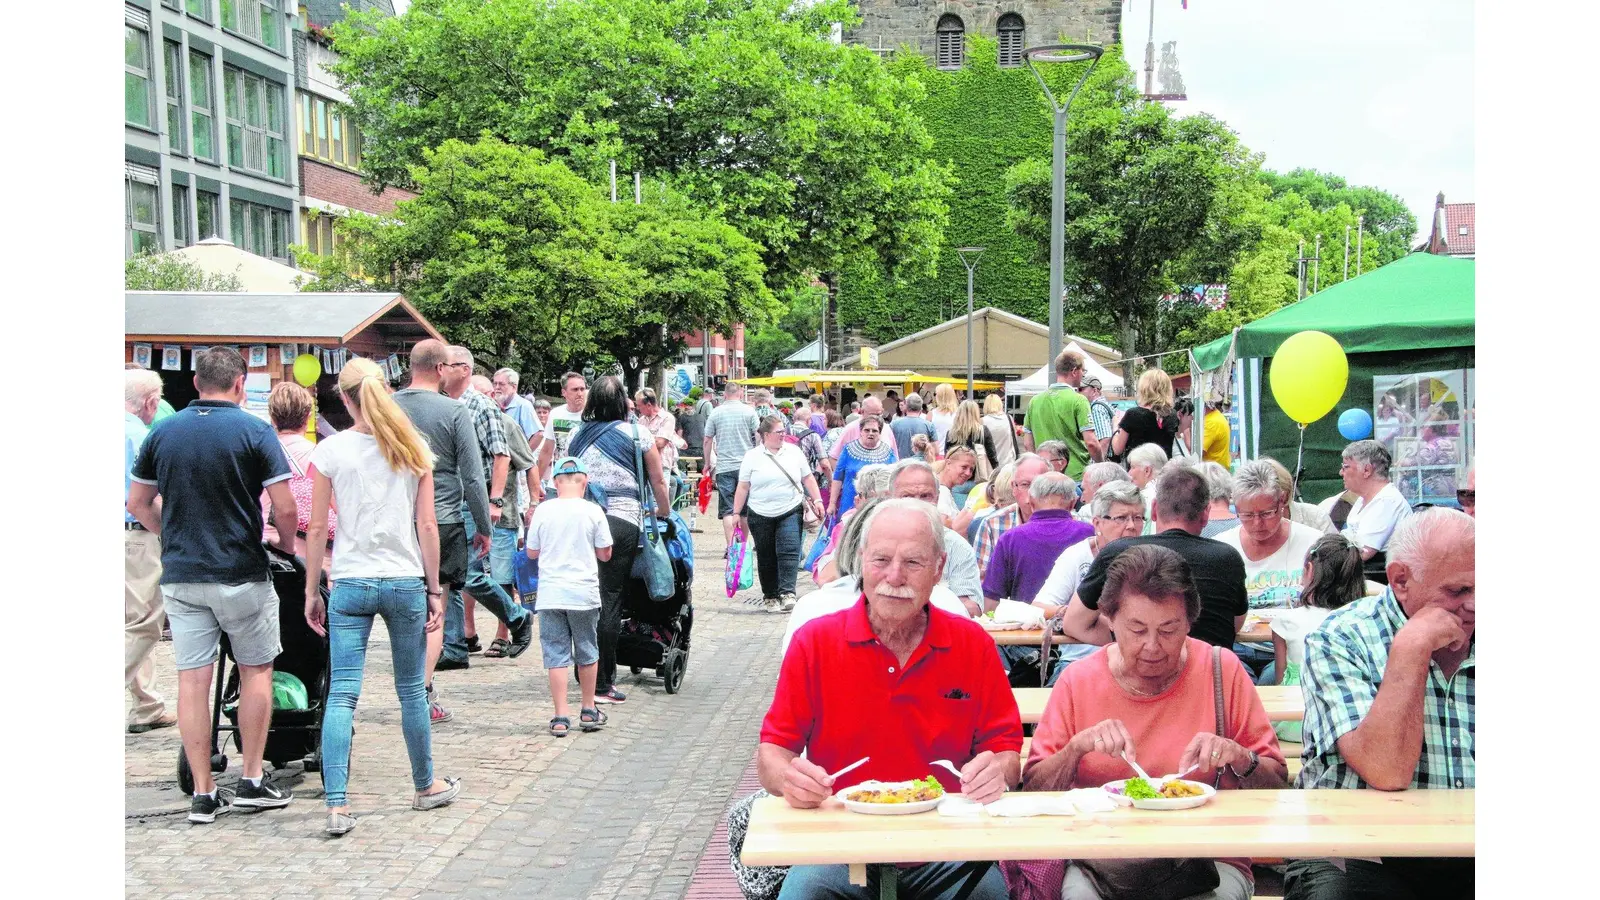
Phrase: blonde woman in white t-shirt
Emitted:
{"points": [[385, 563]]}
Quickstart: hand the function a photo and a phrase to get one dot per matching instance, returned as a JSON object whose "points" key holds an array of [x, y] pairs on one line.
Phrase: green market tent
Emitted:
{"points": [[1414, 315]]}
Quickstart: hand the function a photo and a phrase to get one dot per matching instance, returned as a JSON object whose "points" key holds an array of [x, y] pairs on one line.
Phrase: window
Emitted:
{"points": [[255, 123], [170, 4], [322, 129], [180, 216], [144, 218], [201, 109], [173, 77], [318, 228], [307, 128], [206, 206], [258, 20], [138, 102], [950, 50], [1011, 40], [336, 129], [261, 230], [327, 132], [199, 8]]}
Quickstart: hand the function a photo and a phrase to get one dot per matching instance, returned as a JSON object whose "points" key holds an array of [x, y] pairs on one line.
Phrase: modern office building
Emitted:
{"points": [[209, 144]]}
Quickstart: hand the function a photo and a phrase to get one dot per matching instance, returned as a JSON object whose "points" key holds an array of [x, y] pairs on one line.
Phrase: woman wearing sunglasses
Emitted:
{"points": [[869, 449]]}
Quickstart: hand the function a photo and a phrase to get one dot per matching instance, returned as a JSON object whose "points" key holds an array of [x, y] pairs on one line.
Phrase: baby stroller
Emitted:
{"points": [[656, 634], [294, 733]]}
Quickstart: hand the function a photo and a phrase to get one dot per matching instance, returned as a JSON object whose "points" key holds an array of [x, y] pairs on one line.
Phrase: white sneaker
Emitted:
{"points": [[786, 601]]}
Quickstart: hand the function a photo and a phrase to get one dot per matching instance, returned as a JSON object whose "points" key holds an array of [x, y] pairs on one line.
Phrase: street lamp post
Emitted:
{"points": [[969, 258], [1059, 53]]}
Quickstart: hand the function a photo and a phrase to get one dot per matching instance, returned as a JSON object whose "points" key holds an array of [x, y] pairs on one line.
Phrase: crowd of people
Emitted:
{"points": [[1370, 605], [414, 514]]}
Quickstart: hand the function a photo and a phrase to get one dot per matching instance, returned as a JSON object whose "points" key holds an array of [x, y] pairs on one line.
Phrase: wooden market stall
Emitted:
{"points": [[163, 328]]}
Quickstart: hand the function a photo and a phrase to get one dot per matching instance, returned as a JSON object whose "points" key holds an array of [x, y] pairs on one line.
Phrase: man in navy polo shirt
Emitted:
{"points": [[209, 464], [897, 680]]}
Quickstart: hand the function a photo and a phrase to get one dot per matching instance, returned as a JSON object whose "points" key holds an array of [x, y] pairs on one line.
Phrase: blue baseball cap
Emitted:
{"points": [[570, 465]]}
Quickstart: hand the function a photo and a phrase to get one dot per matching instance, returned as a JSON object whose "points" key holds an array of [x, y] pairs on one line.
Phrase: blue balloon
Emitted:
{"points": [[1355, 424]]}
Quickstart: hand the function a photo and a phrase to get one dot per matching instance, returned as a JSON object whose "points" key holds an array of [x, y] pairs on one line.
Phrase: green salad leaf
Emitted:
{"points": [[1139, 789], [930, 781]]}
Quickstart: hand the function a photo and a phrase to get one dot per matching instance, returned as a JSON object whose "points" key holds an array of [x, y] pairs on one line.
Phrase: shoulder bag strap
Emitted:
{"points": [[1216, 687], [792, 483], [646, 496]]}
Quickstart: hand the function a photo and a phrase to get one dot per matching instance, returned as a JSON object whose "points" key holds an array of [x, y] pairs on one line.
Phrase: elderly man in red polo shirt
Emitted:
{"points": [[902, 682]]}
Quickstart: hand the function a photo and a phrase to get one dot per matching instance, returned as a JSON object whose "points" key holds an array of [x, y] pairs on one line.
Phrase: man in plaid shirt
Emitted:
{"points": [[1099, 411], [1029, 467], [1389, 688]]}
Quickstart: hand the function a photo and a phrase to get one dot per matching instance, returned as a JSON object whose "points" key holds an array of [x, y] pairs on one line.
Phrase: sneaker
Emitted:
{"points": [[473, 646], [204, 810], [786, 600], [267, 796], [446, 664], [437, 714], [775, 605], [611, 696], [165, 720], [521, 637]]}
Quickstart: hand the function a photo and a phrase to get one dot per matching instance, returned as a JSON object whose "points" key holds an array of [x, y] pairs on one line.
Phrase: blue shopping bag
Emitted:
{"points": [[527, 572]]}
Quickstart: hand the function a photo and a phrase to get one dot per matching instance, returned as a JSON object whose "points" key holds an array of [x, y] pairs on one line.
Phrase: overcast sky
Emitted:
{"points": [[1378, 91]]}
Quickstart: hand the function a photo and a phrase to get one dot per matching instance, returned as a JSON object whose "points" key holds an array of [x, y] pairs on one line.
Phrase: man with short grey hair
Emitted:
{"points": [[869, 662], [142, 613], [1023, 556], [1379, 506], [513, 404], [1027, 467], [1054, 453], [1095, 476], [1390, 685], [914, 479]]}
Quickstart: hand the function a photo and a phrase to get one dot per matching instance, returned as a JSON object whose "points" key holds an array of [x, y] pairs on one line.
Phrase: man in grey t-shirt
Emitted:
{"points": [[730, 433]]}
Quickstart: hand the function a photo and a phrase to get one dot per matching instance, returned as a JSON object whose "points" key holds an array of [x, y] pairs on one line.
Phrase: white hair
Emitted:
{"points": [[910, 462], [461, 353], [139, 384], [1053, 484], [1115, 492], [511, 376], [1097, 474], [926, 510], [1416, 534], [1371, 453], [1256, 478], [1147, 455], [872, 478]]}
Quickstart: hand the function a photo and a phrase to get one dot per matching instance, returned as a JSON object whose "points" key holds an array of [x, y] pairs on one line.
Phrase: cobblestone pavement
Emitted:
{"points": [[624, 812]]}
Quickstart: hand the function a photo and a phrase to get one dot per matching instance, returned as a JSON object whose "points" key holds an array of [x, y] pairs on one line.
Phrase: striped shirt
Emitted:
{"points": [[1345, 661], [1100, 415]]}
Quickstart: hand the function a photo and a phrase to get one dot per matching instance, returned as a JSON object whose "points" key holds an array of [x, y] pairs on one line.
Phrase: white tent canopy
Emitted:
{"points": [[1040, 381], [218, 257]]}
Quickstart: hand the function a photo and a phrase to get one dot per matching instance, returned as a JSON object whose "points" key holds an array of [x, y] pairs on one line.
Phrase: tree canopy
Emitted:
{"points": [[165, 272]]}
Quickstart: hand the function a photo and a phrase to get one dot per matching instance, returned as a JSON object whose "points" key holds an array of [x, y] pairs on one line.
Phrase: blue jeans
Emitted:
{"points": [[403, 604], [483, 589], [930, 881]]}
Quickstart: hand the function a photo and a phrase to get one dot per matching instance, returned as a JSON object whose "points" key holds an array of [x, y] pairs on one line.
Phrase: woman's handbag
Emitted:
{"points": [[1123, 879], [652, 564], [736, 575]]}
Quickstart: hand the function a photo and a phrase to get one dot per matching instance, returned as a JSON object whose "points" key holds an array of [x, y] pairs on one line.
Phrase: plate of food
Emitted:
{"points": [[1173, 793], [892, 798]]}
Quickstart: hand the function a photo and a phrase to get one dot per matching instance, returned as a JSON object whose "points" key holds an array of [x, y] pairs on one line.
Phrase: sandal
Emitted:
{"points": [[498, 649], [560, 725], [592, 720], [340, 824]]}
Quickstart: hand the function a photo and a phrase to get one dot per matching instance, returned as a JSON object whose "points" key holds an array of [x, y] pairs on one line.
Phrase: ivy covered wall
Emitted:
{"points": [[984, 119]]}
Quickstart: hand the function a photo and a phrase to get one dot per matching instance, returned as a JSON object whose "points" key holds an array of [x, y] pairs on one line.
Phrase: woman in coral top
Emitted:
{"points": [[1150, 694]]}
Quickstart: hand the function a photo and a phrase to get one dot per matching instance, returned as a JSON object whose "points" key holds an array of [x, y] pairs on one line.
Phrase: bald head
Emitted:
{"points": [[1029, 467], [872, 406], [482, 385]]}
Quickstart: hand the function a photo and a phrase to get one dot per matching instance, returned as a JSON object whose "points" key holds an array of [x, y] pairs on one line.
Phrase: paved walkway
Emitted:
{"points": [[623, 812]]}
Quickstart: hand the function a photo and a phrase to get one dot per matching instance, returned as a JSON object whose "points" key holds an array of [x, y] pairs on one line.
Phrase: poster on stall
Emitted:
{"points": [[258, 356], [394, 367], [171, 358], [1421, 420], [194, 356], [141, 355], [287, 353], [257, 389]]}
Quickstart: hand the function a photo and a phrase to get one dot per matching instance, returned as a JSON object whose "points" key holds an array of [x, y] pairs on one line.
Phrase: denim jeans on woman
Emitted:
{"points": [[615, 582], [777, 544], [403, 604]]}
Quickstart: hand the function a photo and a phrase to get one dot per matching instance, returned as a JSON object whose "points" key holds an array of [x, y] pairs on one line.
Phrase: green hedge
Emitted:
{"points": [[984, 119]]}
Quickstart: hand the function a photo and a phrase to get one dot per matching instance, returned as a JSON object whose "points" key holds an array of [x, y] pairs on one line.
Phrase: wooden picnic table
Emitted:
{"points": [[1284, 704], [1256, 824]]}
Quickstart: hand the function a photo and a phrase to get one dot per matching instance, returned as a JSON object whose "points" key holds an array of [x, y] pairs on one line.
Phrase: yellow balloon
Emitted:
{"points": [[307, 369], [1308, 376]]}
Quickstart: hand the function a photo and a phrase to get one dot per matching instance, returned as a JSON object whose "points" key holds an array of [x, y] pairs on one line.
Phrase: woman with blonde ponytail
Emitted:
{"points": [[385, 563]]}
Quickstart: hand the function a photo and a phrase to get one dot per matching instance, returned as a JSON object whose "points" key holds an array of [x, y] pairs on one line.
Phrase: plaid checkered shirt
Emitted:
{"points": [[1100, 415], [491, 434], [989, 533], [1345, 660]]}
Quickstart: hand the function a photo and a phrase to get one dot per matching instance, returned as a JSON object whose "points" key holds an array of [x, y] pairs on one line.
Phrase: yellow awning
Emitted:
{"points": [[865, 377]]}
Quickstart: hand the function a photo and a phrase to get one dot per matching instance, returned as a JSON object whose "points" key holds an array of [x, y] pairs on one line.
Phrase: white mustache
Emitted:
{"points": [[898, 592]]}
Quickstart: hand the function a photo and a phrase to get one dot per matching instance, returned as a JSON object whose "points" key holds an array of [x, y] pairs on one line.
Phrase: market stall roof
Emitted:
{"points": [[216, 256], [1040, 381], [303, 318], [1420, 301], [865, 376]]}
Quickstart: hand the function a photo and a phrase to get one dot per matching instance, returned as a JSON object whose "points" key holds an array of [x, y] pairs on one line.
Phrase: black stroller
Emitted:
{"points": [[294, 734], [656, 634]]}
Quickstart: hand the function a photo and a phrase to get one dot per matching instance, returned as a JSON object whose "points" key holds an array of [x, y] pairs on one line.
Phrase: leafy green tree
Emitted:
{"points": [[1152, 201], [765, 348], [1390, 228], [166, 272], [808, 148]]}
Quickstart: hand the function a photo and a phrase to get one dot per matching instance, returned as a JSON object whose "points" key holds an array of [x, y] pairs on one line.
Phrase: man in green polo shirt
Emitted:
{"points": [[1062, 414]]}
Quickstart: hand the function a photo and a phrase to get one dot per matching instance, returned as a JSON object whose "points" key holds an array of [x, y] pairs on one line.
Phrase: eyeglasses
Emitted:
{"points": [[1135, 519], [1266, 515], [1466, 497], [455, 364]]}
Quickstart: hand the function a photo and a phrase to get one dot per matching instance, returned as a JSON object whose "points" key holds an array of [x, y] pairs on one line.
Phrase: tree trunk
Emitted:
{"points": [[1130, 341]]}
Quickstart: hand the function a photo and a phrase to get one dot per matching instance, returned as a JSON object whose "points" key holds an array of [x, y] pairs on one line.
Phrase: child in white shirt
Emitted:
{"points": [[1332, 578]]}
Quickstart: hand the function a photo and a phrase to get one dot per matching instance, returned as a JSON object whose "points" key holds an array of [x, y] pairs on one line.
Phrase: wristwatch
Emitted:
{"points": [[1255, 760], [497, 502]]}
